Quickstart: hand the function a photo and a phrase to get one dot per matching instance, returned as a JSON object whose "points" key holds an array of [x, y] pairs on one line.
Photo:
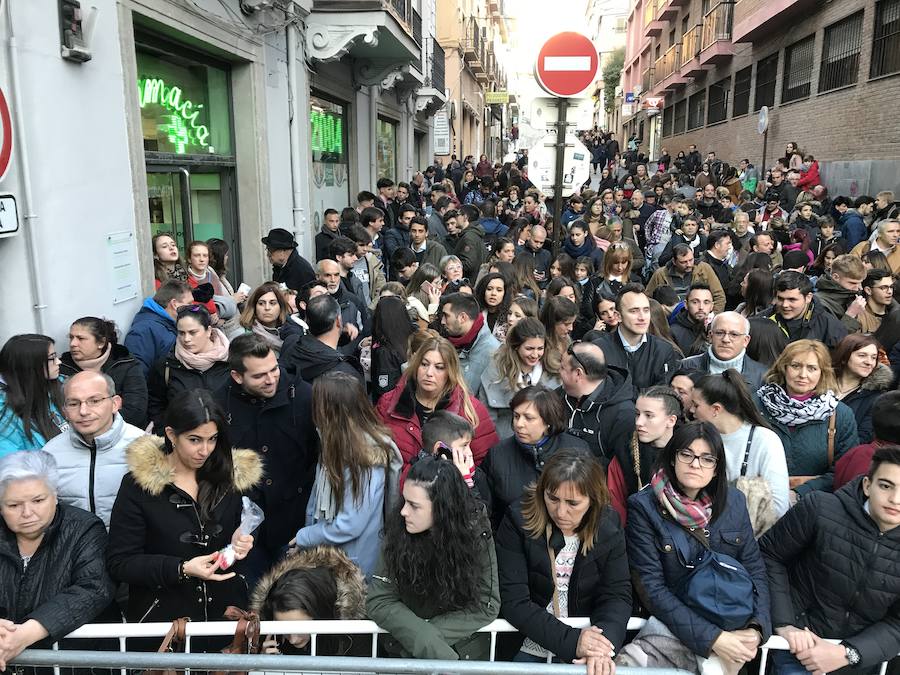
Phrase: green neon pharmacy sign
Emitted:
{"points": [[180, 127], [326, 132]]}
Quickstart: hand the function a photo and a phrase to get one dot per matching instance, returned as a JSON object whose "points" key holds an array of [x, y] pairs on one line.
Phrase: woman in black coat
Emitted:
{"points": [[178, 506], [566, 517], [199, 360], [391, 329]]}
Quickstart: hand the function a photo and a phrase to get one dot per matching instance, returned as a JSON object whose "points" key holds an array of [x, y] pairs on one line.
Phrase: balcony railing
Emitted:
{"points": [[417, 27], [649, 12], [668, 63], [473, 49], [717, 24], [435, 76], [690, 45], [647, 81]]}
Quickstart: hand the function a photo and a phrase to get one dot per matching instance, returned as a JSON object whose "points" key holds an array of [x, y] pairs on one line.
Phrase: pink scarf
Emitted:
{"points": [[95, 364], [217, 350]]}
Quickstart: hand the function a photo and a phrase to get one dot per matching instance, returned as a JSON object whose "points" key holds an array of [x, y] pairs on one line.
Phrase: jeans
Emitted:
{"points": [[786, 663]]}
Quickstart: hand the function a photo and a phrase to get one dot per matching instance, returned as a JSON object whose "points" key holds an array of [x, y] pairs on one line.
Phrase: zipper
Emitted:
{"points": [[92, 474], [149, 609]]}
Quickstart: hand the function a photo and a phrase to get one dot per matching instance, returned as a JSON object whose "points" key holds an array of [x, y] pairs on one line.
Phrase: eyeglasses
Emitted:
{"points": [[688, 457], [728, 333], [91, 403], [571, 352], [52, 358], [884, 287]]}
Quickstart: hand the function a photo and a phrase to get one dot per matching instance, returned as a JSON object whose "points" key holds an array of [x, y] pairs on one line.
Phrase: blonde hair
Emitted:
{"points": [[776, 374], [454, 373], [616, 253]]}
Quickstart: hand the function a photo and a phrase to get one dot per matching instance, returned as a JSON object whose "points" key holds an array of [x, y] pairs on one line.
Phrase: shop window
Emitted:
{"points": [[386, 148]]}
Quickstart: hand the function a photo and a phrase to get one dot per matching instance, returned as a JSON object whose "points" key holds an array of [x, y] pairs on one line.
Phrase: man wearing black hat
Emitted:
{"points": [[288, 266]]}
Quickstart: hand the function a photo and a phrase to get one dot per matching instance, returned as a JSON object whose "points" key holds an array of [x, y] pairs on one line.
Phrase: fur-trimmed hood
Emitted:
{"points": [[150, 469], [879, 379], [351, 585]]}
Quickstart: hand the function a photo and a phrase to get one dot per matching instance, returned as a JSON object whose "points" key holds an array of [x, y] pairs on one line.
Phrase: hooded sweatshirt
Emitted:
{"points": [[311, 357]]}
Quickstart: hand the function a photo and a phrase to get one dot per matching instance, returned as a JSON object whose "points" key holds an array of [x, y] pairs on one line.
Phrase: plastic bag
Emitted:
{"points": [[251, 517]]}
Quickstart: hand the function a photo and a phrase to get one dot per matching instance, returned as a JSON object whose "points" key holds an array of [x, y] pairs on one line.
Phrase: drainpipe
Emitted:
{"points": [[30, 218], [292, 35], [373, 134]]}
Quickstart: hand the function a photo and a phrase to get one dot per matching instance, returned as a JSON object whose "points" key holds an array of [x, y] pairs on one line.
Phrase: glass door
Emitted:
{"points": [[168, 192]]}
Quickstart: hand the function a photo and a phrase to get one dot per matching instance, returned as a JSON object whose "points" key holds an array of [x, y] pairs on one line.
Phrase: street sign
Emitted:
{"points": [[6, 135], [566, 64], [441, 133], [542, 162], [629, 97], [762, 124], [9, 215], [496, 97], [544, 112]]}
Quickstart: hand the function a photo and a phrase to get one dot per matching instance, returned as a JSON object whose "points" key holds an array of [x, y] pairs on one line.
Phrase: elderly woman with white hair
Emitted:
{"points": [[53, 573]]}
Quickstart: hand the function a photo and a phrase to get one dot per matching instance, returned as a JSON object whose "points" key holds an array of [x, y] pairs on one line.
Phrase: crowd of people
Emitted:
{"points": [[445, 419]]}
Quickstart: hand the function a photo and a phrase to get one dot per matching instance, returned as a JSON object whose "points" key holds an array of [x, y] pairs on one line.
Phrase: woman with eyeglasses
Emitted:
{"points": [[31, 396], [689, 508], [199, 360]]}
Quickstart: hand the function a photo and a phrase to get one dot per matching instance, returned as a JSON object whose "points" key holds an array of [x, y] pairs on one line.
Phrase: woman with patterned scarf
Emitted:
{"points": [[798, 402], [689, 500]]}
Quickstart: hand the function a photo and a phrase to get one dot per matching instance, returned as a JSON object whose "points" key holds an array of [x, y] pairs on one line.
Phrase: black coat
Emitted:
{"points": [[688, 335], [599, 588], [323, 241], [470, 249], [816, 324], [295, 273], [155, 526], [66, 583], [387, 367], [510, 467], [310, 358], [832, 570], [125, 371], [170, 377], [653, 363]]}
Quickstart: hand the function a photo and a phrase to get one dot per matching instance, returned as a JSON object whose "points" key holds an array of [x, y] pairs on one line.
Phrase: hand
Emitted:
{"points": [[205, 567], [270, 645], [599, 325], [749, 636], [434, 294], [597, 665], [856, 307], [15, 638], [592, 642], [241, 543], [731, 648], [239, 297], [462, 460], [351, 331], [798, 640], [793, 497], [365, 342], [823, 656]]}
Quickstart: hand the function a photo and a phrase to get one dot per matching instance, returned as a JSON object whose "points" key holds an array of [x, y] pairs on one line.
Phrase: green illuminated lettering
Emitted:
{"points": [[181, 128]]}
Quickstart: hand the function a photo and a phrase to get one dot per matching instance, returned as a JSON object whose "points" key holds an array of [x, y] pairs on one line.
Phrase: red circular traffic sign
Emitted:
{"points": [[566, 64], [6, 135]]}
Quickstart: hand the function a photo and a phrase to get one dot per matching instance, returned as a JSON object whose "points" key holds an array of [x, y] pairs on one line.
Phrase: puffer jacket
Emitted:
{"points": [[170, 377], [125, 371], [155, 526], [90, 473], [151, 335], [861, 400], [511, 466], [599, 588], [495, 393], [832, 570], [657, 569], [12, 429], [470, 249], [65, 584]]}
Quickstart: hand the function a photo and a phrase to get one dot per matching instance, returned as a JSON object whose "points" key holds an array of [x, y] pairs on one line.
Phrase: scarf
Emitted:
{"points": [[690, 513], [327, 502], [717, 366], [270, 335], [793, 412], [177, 272], [95, 364], [216, 351], [465, 341], [578, 251]]}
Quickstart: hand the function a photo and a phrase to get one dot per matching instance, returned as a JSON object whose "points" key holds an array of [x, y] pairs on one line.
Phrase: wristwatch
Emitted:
{"points": [[853, 657]]}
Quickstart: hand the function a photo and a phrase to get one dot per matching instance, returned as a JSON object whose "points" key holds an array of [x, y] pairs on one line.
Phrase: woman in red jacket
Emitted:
{"points": [[433, 381]]}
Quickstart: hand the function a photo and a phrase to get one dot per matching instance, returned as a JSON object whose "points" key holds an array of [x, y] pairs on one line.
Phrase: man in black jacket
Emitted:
{"points": [[288, 266], [831, 564], [689, 327], [598, 400], [270, 411], [470, 245], [798, 315]]}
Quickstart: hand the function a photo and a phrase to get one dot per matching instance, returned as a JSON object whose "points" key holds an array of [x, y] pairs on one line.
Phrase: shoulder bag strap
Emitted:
{"points": [[747, 451], [831, 431], [553, 575]]}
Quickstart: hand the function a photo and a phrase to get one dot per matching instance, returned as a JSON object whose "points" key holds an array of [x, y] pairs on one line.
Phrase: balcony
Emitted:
{"points": [[689, 63], [487, 62], [432, 95], [755, 19], [473, 47], [715, 41], [653, 24], [647, 80], [668, 73]]}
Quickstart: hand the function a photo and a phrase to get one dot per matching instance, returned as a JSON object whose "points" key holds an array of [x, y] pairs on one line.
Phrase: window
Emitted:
{"points": [[766, 72], [798, 65], [840, 53], [685, 24], [668, 119], [386, 148], [621, 24], [680, 117], [697, 110], [717, 110], [741, 104], [886, 40], [672, 38], [705, 8]]}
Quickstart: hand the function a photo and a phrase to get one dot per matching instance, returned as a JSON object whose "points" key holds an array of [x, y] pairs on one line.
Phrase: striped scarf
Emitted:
{"points": [[686, 512]]}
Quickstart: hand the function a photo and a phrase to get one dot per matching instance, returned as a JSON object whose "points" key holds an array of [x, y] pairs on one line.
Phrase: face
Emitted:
{"points": [[637, 199], [578, 236], [418, 233], [684, 263], [828, 259], [268, 309], [883, 491], [741, 226], [694, 477], [453, 271], [52, 362], [848, 282], [260, 379], [417, 508], [688, 227], [514, 315], [700, 409], [863, 361], [566, 506], [28, 507], [192, 335], [531, 352], [806, 212], [882, 291], [709, 192], [88, 406], [347, 260], [563, 329], [298, 640], [402, 193], [777, 178], [635, 313], [82, 344], [791, 304], [431, 375], [597, 206], [827, 230], [166, 250], [278, 256], [193, 448], [606, 311], [685, 388], [530, 203], [802, 374], [528, 425], [507, 253], [493, 293], [891, 233], [651, 421], [537, 239], [406, 217], [199, 258], [699, 305], [581, 272], [764, 244], [555, 270], [330, 275], [376, 225], [728, 337], [609, 198], [332, 221], [615, 231]]}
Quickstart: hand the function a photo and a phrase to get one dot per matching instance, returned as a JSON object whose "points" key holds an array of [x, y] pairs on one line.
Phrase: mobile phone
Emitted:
{"points": [[244, 288], [427, 287], [444, 451]]}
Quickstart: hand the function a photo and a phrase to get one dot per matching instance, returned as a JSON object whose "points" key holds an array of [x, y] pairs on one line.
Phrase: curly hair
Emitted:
{"points": [[443, 560]]}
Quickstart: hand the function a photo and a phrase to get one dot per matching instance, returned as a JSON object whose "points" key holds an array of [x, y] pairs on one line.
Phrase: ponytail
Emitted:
{"points": [[730, 390]]}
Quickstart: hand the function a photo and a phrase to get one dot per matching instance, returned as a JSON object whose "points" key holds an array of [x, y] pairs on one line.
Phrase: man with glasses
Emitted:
{"points": [[729, 335], [878, 287], [90, 456], [288, 266], [598, 400]]}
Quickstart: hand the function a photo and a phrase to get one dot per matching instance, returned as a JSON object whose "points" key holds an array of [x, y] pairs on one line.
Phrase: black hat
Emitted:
{"points": [[279, 239], [203, 293]]}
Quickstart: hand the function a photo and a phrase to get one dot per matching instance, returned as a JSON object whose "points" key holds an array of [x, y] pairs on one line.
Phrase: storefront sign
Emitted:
{"points": [[326, 135], [181, 127], [9, 216], [629, 97], [496, 97], [121, 263], [441, 134]]}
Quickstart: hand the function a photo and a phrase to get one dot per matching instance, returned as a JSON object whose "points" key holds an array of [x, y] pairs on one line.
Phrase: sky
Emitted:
{"points": [[537, 20]]}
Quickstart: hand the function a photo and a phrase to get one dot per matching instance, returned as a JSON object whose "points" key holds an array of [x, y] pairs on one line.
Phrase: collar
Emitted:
{"points": [[104, 441], [631, 349], [419, 250], [717, 366]]}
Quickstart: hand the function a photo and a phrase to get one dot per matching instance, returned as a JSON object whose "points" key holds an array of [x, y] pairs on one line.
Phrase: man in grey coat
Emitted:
{"points": [[90, 455], [729, 335], [465, 327]]}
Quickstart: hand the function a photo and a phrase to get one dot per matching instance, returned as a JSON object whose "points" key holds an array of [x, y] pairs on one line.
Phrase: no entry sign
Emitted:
{"points": [[566, 64], [6, 135]]}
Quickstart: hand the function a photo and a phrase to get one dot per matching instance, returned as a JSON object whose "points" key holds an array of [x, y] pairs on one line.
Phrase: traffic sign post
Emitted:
{"points": [[762, 126], [566, 65]]}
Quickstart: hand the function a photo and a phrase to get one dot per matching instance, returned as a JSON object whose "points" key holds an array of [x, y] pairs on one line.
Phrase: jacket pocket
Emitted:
{"points": [[731, 542]]}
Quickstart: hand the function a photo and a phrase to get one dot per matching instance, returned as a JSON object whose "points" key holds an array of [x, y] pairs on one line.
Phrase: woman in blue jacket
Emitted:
{"points": [[690, 491]]}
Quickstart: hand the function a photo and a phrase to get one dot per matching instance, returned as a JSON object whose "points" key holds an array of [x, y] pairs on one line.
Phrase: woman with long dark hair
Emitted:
{"points": [[562, 554], [493, 294], [391, 329], [687, 510], [167, 263], [860, 378], [94, 345], [354, 480], [436, 582], [558, 316], [757, 291], [31, 396], [268, 315], [178, 506], [218, 263]]}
